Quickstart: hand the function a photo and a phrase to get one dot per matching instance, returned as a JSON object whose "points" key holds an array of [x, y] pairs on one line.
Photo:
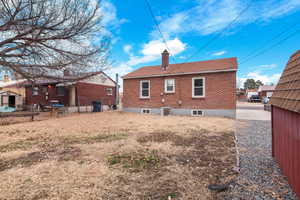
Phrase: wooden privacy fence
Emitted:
{"points": [[286, 144]]}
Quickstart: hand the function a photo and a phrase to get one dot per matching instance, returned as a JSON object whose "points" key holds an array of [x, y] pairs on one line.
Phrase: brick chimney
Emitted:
{"points": [[165, 60], [6, 78]]}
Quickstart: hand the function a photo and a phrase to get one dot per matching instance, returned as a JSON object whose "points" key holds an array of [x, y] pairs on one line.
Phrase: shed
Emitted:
{"points": [[11, 99], [285, 103]]}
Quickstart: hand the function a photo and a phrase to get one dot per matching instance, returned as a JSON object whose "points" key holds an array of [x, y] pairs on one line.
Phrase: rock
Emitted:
{"points": [[218, 187]]}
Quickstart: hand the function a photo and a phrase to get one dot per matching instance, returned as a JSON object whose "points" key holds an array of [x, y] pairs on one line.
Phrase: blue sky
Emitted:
{"points": [[187, 25]]}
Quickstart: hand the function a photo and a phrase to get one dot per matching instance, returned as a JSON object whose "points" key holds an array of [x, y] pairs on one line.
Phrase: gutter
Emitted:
{"points": [[179, 74]]}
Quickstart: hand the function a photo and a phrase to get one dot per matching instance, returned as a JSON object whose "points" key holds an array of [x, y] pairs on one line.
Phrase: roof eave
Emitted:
{"points": [[180, 74]]}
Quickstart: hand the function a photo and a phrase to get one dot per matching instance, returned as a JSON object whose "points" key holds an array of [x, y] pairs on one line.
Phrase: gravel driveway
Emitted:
{"points": [[260, 177]]}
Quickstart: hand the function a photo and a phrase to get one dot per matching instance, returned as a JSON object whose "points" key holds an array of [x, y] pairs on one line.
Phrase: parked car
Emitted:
{"points": [[254, 98], [266, 100]]}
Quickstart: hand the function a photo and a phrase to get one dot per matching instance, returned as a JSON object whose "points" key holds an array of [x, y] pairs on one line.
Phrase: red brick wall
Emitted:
{"points": [[87, 93], [220, 92], [41, 98]]}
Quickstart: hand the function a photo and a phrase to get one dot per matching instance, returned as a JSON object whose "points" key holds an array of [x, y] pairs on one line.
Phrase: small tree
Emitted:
{"points": [[258, 83], [42, 38], [250, 84]]}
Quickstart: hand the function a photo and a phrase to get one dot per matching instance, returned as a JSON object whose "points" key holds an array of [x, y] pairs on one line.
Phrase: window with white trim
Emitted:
{"points": [[144, 89], [197, 113], [198, 87], [170, 85], [35, 91], [146, 111], [109, 91]]}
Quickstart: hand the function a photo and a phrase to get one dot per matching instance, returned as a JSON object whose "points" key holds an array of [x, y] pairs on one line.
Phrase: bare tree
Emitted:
{"points": [[42, 38]]}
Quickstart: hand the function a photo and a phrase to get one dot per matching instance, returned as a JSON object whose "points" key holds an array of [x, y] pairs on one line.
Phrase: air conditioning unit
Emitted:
{"points": [[165, 111]]}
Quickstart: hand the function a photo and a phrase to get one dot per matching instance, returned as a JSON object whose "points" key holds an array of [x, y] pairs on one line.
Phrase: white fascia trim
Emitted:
{"points": [[178, 74]]}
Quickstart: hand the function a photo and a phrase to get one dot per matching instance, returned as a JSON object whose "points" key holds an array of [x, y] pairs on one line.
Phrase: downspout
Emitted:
{"points": [[77, 98], [117, 90], [272, 130]]}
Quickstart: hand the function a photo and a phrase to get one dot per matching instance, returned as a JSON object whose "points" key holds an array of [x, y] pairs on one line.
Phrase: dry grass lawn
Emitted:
{"points": [[116, 155]]}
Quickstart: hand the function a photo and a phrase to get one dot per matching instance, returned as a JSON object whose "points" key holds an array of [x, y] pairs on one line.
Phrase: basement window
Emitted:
{"points": [[197, 113], [146, 111]]}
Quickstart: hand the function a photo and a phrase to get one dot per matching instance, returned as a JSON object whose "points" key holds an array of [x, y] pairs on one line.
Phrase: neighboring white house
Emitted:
{"points": [[11, 99], [266, 90], [251, 92]]}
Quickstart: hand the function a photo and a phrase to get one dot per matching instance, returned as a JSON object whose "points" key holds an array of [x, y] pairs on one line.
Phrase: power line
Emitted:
{"points": [[248, 56], [158, 28], [223, 31], [263, 51]]}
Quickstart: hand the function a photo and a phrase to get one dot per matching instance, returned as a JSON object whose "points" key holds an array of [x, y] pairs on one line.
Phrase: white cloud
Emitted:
{"points": [[127, 49], [279, 8], [219, 53], [109, 15], [265, 78], [266, 67], [212, 16], [156, 47], [152, 51]]}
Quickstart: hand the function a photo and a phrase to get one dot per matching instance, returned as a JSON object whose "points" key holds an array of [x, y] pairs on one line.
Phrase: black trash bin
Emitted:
{"points": [[96, 106]]}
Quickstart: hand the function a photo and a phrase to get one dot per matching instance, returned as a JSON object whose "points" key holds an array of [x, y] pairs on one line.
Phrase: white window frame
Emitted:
{"points": [[109, 91], [143, 109], [35, 91], [166, 88], [193, 87], [141, 88], [197, 115]]}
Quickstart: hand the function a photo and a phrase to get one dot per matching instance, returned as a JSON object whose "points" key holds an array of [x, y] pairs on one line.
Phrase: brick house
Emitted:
{"points": [[195, 88], [91, 87]]}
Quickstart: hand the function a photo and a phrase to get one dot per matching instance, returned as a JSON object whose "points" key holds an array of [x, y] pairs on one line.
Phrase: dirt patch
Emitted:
{"points": [[176, 139], [69, 153], [23, 161], [93, 139], [19, 145], [28, 160], [46, 142], [157, 137], [144, 186]]}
